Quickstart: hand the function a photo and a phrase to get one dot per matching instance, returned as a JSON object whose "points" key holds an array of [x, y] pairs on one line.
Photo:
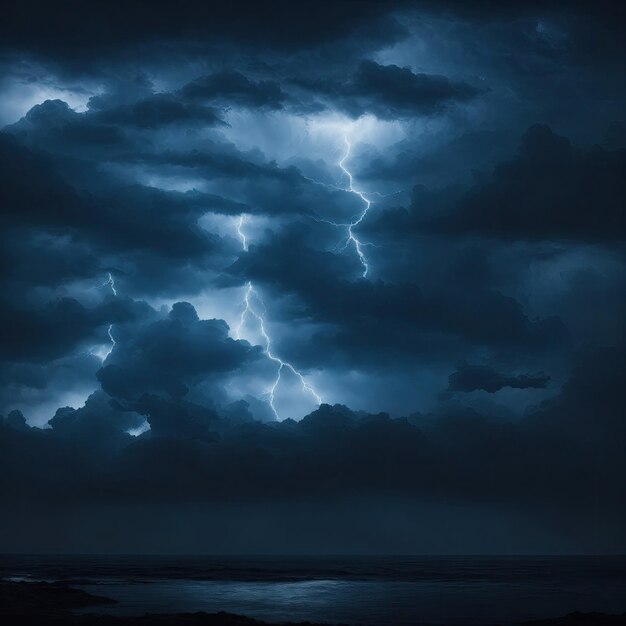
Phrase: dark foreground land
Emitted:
{"points": [[51, 604]]}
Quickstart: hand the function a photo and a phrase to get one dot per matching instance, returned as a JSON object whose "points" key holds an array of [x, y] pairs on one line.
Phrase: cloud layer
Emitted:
{"points": [[149, 182]]}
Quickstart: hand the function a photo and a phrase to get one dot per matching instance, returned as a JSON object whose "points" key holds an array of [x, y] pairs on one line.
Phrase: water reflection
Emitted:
{"points": [[363, 602]]}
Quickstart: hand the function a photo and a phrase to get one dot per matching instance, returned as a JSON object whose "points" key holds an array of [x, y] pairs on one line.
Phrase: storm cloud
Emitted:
{"points": [[473, 377], [266, 260], [390, 92]]}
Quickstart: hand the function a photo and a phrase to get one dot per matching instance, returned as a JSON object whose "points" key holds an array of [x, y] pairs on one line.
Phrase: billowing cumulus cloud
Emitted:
{"points": [[166, 354], [190, 196]]}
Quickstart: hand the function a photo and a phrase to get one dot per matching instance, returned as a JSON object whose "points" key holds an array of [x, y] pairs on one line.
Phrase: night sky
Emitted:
{"points": [[313, 277]]}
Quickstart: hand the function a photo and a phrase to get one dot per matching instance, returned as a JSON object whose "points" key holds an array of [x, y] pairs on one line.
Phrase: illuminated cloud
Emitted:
{"points": [[255, 256]]}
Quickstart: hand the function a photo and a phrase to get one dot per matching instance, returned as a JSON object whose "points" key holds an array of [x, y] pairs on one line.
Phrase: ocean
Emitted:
{"points": [[350, 590]]}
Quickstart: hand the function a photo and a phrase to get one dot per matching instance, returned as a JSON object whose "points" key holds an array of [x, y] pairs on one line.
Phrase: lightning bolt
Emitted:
{"points": [[255, 307], [244, 241], [358, 246], [351, 238], [106, 354], [109, 282]]}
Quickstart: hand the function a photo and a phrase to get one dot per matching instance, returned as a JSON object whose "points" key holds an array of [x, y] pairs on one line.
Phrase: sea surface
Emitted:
{"points": [[364, 591]]}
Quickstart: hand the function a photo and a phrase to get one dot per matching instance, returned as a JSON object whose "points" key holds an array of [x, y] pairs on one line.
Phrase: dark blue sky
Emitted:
{"points": [[277, 262]]}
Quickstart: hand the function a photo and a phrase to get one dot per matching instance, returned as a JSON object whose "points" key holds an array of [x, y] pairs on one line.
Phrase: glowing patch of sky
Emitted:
{"points": [[43, 408], [282, 136], [139, 430]]}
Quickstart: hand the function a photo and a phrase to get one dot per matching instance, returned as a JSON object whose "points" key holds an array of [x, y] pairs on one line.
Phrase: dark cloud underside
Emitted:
{"points": [[279, 262]]}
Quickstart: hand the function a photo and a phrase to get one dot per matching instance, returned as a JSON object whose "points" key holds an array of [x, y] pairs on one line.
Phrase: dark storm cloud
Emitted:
{"points": [[263, 186], [40, 259], [81, 39], [177, 419], [99, 423], [234, 89], [44, 129], [489, 259], [472, 377], [54, 126], [122, 218], [551, 190], [77, 37], [389, 91], [213, 164], [376, 322], [159, 111], [192, 453], [56, 233], [36, 387], [244, 178], [16, 421], [169, 354], [441, 161], [53, 329]]}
